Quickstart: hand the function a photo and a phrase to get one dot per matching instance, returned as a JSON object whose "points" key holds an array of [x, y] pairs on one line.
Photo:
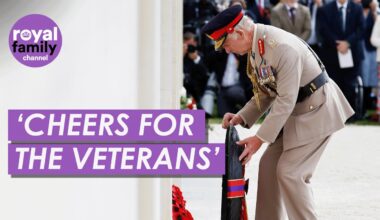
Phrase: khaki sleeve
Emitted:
{"points": [[289, 71], [250, 113]]}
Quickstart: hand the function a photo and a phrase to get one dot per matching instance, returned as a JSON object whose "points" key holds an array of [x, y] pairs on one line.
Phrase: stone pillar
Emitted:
{"points": [[159, 84]]}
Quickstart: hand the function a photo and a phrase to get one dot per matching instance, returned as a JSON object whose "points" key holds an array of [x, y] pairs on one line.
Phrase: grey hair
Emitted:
{"points": [[244, 24]]}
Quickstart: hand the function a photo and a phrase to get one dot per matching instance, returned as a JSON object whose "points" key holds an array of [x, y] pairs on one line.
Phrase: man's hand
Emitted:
{"points": [[252, 145], [231, 119], [342, 46]]}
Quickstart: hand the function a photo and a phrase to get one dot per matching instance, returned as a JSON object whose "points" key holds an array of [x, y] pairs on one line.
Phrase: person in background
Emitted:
{"points": [[198, 10], [232, 79], [242, 3], [375, 40], [292, 17], [196, 13], [195, 71], [341, 25], [369, 66], [313, 40]]}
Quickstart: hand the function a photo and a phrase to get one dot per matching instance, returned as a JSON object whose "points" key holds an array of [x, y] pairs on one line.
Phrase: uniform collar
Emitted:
{"points": [[258, 32], [255, 33]]}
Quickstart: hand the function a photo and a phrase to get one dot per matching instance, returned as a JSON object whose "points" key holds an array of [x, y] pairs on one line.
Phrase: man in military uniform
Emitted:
{"points": [[306, 108]]}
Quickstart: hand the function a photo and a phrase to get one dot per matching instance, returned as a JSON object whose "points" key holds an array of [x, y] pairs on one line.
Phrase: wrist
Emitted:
{"points": [[261, 141]]}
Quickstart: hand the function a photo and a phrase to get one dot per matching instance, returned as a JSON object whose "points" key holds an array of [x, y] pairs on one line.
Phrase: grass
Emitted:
{"points": [[366, 122]]}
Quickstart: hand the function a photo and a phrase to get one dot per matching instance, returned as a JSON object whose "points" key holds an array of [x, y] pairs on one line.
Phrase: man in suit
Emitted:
{"points": [[234, 86], [341, 26], [195, 70], [306, 108], [292, 17], [314, 39]]}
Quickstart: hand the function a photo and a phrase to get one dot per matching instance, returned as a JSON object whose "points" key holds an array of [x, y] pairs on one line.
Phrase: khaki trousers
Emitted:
{"points": [[284, 181]]}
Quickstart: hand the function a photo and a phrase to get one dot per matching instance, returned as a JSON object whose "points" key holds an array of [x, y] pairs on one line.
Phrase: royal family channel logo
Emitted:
{"points": [[35, 40]]}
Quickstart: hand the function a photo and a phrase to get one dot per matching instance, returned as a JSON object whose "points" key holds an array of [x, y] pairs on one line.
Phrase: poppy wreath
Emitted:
{"points": [[179, 210]]}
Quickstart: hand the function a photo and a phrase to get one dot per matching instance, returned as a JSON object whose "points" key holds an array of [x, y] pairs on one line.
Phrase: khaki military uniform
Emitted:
{"points": [[297, 132]]}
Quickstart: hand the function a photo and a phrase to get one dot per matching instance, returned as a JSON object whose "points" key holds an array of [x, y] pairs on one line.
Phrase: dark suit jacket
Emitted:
{"points": [[195, 77], [330, 31]]}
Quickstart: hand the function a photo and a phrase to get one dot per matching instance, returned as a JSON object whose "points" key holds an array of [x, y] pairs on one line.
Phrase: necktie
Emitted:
{"points": [[341, 19], [292, 14]]}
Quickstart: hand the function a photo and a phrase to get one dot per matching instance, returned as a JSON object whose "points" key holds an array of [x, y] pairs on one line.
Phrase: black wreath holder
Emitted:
{"points": [[234, 187]]}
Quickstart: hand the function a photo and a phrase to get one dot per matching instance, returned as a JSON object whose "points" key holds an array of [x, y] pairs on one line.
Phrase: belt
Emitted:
{"points": [[312, 86]]}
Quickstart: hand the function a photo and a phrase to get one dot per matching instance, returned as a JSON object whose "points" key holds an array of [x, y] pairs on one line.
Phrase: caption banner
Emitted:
{"points": [[111, 143]]}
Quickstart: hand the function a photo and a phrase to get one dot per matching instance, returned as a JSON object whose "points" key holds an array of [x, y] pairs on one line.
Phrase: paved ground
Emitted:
{"points": [[346, 184]]}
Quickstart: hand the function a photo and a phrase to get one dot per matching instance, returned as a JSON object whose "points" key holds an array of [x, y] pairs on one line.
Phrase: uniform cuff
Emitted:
{"points": [[263, 140], [244, 124]]}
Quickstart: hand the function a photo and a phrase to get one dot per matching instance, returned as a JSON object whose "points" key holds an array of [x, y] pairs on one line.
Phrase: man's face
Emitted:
{"points": [[236, 43]]}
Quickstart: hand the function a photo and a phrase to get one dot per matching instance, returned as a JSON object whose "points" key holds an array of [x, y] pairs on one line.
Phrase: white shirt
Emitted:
{"points": [[231, 74]]}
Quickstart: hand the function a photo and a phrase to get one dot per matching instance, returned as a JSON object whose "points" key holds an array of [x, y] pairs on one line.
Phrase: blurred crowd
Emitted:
{"points": [[217, 81]]}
